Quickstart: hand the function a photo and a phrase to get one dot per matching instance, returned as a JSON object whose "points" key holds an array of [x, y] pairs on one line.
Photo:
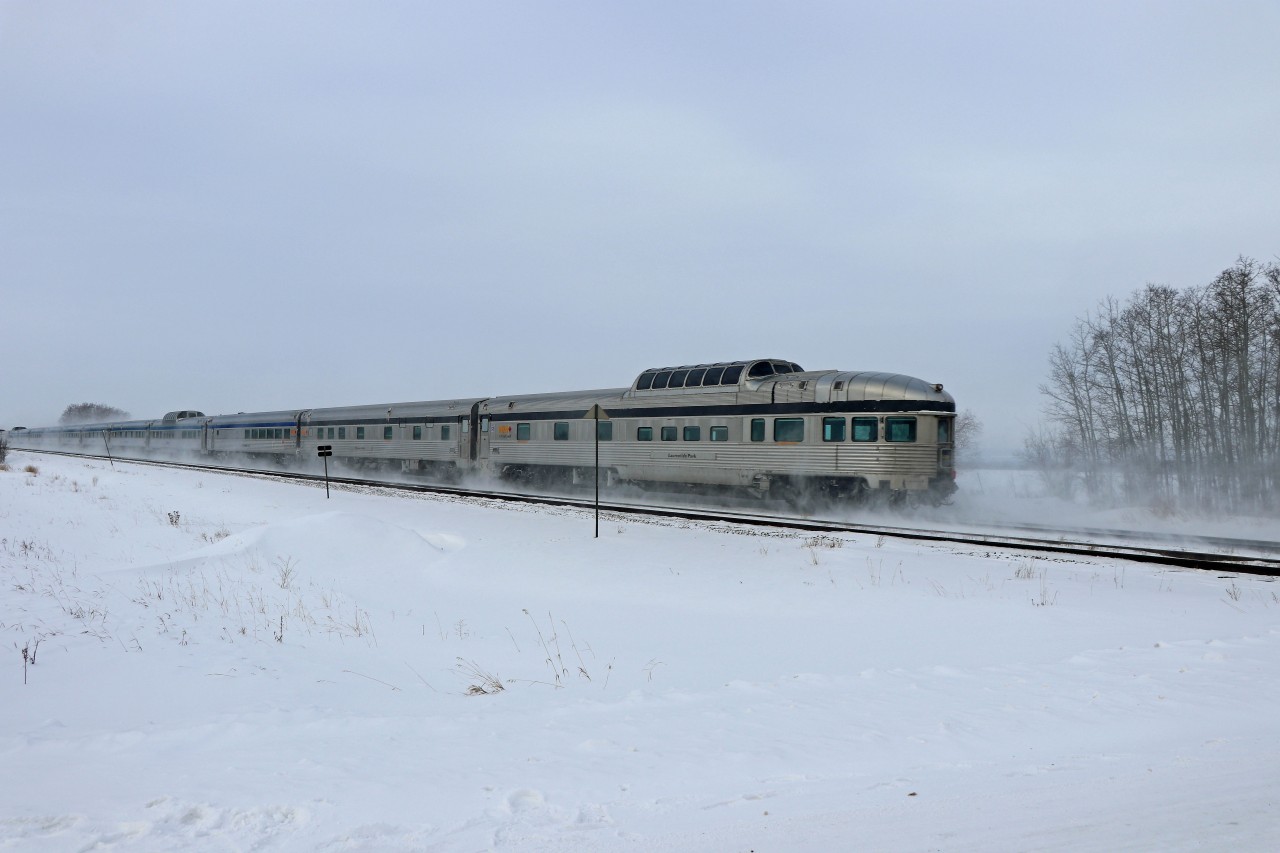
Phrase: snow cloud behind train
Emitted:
{"points": [[236, 206]]}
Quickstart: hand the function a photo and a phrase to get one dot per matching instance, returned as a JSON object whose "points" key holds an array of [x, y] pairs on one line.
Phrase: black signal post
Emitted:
{"points": [[597, 415], [108, 444], [324, 451]]}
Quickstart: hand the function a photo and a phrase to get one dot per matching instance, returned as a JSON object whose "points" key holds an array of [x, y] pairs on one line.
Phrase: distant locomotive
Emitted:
{"points": [[765, 427]]}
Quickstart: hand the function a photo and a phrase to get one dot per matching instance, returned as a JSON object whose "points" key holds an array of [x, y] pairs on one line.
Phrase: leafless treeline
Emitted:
{"points": [[1173, 394]]}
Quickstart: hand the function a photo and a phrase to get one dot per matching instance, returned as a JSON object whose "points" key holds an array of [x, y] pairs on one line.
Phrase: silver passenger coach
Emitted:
{"points": [[763, 427]]}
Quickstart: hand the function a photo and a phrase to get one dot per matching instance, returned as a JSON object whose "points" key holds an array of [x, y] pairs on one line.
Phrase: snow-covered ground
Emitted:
{"points": [[228, 663]]}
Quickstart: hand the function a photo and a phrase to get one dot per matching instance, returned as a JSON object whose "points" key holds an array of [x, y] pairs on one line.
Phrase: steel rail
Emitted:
{"points": [[1180, 557]]}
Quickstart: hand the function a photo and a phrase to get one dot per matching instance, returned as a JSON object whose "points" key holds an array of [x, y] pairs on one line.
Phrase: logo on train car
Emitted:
{"points": [[504, 431]]}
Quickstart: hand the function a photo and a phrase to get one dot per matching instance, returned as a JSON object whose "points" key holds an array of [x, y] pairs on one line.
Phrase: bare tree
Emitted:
{"points": [[1174, 395], [968, 432], [88, 413]]}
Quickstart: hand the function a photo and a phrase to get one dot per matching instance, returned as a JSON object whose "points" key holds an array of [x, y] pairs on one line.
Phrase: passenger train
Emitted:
{"points": [[764, 427]]}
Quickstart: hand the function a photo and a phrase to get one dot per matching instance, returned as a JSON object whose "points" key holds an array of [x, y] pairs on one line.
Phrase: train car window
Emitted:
{"points": [[719, 433], [645, 382], [757, 429], [731, 375], [833, 429], [864, 429], [417, 433], [788, 429], [661, 380], [359, 433], [783, 367], [331, 433], [561, 431], [713, 376], [695, 378], [246, 435], [522, 432], [445, 431], [944, 430], [693, 433], [760, 368], [899, 429], [280, 433], [677, 379], [342, 432], [644, 433], [604, 430], [386, 433], [669, 433]]}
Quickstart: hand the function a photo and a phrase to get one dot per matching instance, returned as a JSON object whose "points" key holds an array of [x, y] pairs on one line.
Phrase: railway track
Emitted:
{"points": [[1190, 553]]}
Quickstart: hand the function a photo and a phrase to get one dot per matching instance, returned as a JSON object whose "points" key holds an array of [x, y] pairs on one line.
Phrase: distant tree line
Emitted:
{"points": [[88, 413], [1172, 395]]}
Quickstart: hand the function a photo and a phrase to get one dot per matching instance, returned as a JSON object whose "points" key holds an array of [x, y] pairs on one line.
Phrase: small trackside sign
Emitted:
{"points": [[324, 451]]}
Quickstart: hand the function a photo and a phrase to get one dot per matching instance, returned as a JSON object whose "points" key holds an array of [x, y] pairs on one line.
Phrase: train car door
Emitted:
{"points": [[473, 452]]}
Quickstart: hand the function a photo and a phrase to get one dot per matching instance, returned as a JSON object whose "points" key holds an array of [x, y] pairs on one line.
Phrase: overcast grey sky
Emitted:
{"points": [[238, 206]]}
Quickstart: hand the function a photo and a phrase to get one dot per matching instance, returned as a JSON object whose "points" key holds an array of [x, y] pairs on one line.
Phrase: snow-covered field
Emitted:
{"points": [[228, 663]]}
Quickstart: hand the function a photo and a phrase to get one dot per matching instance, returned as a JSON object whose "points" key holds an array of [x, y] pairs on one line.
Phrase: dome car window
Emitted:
{"points": [[899, 429], [788, 430]]}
